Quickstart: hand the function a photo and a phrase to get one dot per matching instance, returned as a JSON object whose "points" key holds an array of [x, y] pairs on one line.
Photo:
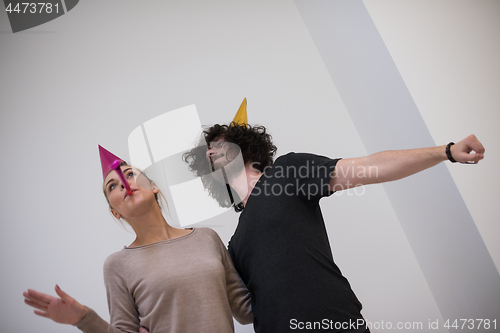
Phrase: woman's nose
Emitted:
{"points": [[128, 181]]}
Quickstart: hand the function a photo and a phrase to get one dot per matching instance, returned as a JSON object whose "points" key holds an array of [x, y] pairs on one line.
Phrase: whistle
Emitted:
{"points": [[116, 166]]}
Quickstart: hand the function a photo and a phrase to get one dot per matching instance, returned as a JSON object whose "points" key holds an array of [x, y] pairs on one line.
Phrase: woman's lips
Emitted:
{"points": [[126, 193]]}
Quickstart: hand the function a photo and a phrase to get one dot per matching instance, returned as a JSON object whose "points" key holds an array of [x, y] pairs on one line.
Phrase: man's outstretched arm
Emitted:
{"points": [[387, 166]]}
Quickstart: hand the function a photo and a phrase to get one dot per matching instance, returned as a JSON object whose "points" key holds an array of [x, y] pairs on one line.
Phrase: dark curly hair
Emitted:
{"points": [[255, 144]]}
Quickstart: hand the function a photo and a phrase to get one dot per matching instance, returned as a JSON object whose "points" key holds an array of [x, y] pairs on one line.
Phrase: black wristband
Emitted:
{"points": [[448, 152]]}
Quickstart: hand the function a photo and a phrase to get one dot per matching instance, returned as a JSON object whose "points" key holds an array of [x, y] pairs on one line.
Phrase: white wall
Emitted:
{"points": [[447, 52], [96, 73]]}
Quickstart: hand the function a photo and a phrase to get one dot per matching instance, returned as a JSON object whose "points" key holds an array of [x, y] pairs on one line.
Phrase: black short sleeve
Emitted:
{"points": [[311, 172]]}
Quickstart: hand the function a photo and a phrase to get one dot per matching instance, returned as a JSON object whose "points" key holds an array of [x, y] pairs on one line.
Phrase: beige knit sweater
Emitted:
{"points": [[187, 284]]}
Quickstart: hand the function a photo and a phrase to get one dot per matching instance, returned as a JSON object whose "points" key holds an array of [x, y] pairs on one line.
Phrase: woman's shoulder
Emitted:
{"points": [[207, 232], [210, 233], [115, 260]]}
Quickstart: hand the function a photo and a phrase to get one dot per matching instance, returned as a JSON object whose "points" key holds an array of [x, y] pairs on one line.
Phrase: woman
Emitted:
{"points": [[167, 280]]}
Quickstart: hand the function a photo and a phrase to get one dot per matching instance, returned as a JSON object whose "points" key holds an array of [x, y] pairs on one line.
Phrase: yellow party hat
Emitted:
{"points": [[241, 116]]}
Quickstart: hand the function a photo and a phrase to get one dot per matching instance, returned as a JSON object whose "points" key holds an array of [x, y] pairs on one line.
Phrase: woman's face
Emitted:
{"points": [[125, 205]]}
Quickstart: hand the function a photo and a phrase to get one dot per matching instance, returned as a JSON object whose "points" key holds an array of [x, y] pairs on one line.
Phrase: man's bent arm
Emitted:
{"points": [[387, 166]]}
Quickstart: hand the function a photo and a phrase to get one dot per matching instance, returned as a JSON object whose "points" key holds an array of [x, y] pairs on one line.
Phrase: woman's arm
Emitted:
{"points": [[66, 310], [123, 312], [238, 295], [63, 310]]}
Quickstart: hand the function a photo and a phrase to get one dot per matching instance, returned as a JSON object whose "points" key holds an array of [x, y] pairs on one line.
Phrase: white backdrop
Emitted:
{"points": [[93, 75]]}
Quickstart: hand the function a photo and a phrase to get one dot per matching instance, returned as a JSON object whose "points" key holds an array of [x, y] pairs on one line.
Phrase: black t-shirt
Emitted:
{"points": [[281, 251]]}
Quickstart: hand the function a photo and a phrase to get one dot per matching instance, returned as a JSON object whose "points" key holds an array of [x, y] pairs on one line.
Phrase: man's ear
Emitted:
{"points": [[116, 215]]}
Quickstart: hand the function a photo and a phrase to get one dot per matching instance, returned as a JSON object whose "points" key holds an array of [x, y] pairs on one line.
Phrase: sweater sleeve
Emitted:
{"points": [[123, 313], [238, 295], [93, 323]]}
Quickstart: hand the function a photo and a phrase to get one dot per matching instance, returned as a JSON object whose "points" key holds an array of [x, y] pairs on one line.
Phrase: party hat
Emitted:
{"points": [[108, 161], [241, 116]]}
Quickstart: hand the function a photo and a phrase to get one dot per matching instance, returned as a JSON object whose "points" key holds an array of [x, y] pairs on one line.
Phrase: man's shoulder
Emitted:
{"points": [[293, 157], [287, 158]]}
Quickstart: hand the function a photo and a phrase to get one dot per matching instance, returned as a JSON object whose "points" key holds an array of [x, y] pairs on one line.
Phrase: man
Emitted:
{"points": [[280, 247]]}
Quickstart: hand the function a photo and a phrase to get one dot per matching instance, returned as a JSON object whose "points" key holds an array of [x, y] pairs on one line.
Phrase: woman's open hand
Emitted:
{"points": [[64, 310]]}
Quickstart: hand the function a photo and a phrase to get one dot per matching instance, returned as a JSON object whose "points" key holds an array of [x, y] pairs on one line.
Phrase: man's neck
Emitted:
{"points": [[252, 177], [243, 180]]}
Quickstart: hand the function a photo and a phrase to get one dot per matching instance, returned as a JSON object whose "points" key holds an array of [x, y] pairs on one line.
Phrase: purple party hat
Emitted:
{"points": [[108, 161]]}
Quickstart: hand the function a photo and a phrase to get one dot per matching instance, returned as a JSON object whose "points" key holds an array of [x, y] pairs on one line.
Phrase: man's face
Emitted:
{"points": [[219, 153]]}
